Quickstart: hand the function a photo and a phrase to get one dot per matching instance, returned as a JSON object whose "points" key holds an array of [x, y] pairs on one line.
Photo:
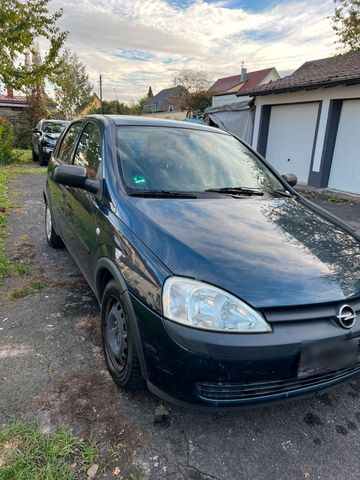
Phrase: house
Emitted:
{"points": [[167, 100], [12, 105], [308, 123], [226, 90], [92, 105]]}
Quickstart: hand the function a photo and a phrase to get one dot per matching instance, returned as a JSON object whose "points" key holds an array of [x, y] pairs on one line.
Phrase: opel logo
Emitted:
{"points": [[346, 316]]}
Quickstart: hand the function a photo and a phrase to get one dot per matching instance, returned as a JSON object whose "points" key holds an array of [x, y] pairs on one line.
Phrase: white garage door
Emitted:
{"points": [[345, 169], [291, 138]]}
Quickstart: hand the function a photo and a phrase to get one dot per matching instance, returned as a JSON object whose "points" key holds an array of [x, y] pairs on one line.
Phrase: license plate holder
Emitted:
{"points": [[328, 357]]}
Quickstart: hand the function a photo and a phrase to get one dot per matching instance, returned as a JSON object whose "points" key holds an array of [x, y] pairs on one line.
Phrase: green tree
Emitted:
{"points": [[150, 93], [36, 108], [21, 24], [346, 23], [73, 89], [6, 141], [198, 101]]}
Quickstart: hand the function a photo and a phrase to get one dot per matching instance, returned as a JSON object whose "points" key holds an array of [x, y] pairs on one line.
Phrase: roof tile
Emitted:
{"points": [[316, 73], [222, 85]]}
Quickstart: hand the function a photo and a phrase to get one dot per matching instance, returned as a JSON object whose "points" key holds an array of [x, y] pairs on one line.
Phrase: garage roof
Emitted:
{"points": [[326, 72]]}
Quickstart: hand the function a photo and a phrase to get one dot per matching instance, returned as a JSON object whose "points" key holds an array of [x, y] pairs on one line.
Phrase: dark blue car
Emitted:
{"points": [[219, 285]]}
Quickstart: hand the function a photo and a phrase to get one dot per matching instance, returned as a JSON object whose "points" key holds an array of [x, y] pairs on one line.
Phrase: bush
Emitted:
{"points": [[6, 142]]}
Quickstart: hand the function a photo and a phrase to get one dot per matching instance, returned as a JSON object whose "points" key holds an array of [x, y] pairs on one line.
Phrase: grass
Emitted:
{"points": [[22, 156], [32, 287], [338, 200], [27, 454], [23, 164]]}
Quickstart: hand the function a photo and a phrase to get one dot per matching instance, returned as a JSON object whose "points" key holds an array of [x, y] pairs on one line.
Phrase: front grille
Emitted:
{"points": [[240, 391]]}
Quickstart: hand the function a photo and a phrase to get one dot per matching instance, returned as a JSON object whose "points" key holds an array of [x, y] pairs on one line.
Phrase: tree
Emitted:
{"points": [[192, 80], [150, 93], [21, 23], [36, 106], [346, 23], [113, 107], [198, 101], [73, 89]]}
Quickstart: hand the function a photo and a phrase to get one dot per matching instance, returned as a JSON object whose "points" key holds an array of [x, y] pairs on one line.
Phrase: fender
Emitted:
{"points": [[106, 264]]}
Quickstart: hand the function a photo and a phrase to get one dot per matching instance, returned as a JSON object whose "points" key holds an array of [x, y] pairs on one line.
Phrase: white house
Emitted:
{"points": [[228, 89], [309, 122]]}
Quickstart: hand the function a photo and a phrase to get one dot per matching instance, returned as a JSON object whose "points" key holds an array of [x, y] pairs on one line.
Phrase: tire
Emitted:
{"points": [[34, 156], [53, 239], [118, 341]]}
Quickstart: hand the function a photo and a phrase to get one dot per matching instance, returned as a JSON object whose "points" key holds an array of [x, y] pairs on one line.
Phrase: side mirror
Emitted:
{"points": [[75, 176], [35, 130], [290, 178]]}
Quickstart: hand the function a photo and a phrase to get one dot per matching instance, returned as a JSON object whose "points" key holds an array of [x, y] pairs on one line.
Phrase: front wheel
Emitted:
{"points": [[53, 239], [118, 342], [34, 156], [43, 161]]}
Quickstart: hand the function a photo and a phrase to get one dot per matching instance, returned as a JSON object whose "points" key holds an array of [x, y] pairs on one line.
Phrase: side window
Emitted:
{"points": [[88, 152], [67, 144]]}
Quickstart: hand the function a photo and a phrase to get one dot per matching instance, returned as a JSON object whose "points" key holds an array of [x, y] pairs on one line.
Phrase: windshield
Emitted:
{"points": [[52, 127], [178, 159]]}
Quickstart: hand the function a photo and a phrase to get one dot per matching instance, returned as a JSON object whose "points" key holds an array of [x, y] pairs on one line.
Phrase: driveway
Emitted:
{"points": [[52, 370]]}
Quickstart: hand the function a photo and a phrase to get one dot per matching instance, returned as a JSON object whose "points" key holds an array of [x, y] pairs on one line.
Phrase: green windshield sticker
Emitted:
{"points": [[139, 179]]}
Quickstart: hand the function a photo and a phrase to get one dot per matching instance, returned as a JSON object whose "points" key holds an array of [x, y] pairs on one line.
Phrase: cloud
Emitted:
{"points": [[138, 43]]}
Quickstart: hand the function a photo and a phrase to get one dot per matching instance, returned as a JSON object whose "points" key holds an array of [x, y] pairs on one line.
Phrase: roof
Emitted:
{"points": [[222, 85], [14, 99], [331, 71], [167, 92], [142, 121]]}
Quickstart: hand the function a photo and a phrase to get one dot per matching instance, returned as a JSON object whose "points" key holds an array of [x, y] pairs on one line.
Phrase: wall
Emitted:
{"points": [[326, 96], [166, 115], [218, 100]]}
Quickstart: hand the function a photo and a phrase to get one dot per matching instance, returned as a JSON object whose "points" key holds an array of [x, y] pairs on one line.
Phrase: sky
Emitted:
{"points": [[138, 43]]}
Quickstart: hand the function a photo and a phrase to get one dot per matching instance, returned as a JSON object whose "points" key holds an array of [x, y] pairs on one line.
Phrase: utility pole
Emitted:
{"points": [[101, 98]]}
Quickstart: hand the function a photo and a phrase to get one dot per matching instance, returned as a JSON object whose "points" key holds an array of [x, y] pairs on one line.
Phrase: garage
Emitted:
{"points": [[291, 138], [345, 168]]}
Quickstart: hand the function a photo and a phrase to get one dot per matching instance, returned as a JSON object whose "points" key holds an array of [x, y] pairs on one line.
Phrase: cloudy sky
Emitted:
{"points": [[138, 43]]}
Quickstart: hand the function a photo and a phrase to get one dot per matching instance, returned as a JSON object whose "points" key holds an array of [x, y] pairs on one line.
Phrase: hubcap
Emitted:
{"points": [[48, 222], [116, 336]]}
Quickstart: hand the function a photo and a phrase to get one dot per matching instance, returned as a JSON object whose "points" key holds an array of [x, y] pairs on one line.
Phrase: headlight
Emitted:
{"points": [[200, 305]]}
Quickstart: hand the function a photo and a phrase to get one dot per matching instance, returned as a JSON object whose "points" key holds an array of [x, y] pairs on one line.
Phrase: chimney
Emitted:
{"points": [[244, 75], [10, 92]]}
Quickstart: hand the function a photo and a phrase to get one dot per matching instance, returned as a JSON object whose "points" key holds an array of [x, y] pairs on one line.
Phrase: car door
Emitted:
{"points": [[82, 205], [63, 154], [35, 136]]}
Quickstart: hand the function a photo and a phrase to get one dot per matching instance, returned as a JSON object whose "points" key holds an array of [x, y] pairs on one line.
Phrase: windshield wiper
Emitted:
{"points": [[237, 191], [283, 193], [162, 194]]}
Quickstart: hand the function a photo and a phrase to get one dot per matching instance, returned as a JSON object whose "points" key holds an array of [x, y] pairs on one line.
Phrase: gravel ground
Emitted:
{"points": [[52, 370]]}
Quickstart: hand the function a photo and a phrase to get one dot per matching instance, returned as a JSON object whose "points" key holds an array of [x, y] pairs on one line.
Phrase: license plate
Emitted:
{"points": [[333, 356]]}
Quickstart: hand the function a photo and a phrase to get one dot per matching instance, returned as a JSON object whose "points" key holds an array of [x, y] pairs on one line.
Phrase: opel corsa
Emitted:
{"points": [[219, 285]]}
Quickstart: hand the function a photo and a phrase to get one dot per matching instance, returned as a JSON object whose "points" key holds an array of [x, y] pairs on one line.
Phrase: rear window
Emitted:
{"points": [[51, 127]]}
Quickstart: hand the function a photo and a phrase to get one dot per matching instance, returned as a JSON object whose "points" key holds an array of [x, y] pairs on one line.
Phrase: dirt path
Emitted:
{"points": [[52, 370]]}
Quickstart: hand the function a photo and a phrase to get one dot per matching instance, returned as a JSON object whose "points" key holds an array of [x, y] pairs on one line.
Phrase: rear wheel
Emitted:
{"points": [[118, 342], [53, 239]]}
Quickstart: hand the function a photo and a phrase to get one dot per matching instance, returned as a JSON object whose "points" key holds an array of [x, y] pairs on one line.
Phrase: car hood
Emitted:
{"points": [[269, 252]]}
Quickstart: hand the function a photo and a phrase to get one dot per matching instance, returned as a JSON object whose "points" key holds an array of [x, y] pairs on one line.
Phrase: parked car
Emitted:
{"points": [[44, 138], [219, 285]]}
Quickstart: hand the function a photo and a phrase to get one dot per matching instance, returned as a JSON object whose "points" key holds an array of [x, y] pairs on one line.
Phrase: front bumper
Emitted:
{"points": [[190, 366]]}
